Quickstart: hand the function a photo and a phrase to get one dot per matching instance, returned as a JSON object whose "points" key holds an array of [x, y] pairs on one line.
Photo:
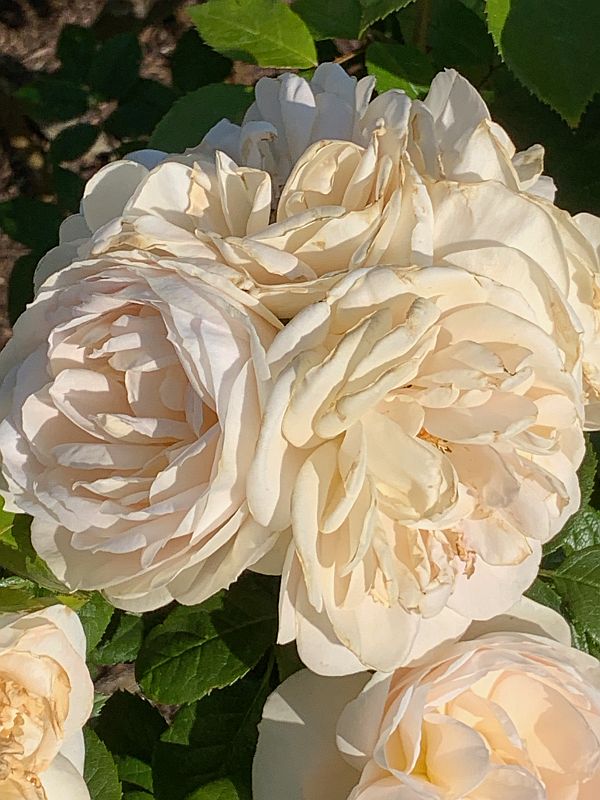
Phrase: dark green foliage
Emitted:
{"points": [[194, 114], [563, 67], [100, 771], [73, 142], [330, 19], [115, 66], [195, 64], [212, 739], [201, 648], [400, 66]]}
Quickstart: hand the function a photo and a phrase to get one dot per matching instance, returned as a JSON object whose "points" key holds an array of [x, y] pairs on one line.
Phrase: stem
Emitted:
{"points": [[546, 573], [422, 26], [348, 56]]}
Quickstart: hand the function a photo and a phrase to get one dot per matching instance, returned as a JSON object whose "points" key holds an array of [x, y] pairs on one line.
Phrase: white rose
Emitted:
{"points": [[421, 437], [46, 697], [505, 716], [130, 403]]}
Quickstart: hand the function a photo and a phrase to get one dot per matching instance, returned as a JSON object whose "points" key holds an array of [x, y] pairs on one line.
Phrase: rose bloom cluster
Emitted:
{"points": [[353, 342]]}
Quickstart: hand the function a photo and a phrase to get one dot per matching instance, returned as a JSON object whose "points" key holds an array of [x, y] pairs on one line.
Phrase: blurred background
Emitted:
{"points": [[83, 82]]}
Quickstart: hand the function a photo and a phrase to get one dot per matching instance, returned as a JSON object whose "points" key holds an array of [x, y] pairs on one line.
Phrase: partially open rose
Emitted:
{"points": [[504, 716], [46, 696], [130, 403], [421, 436]]}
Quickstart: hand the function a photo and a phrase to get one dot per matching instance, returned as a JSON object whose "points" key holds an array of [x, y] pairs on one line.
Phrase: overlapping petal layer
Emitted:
{"points": [[45, 698], [319, 181], [506, 716], [131, 399], [422, 436]]}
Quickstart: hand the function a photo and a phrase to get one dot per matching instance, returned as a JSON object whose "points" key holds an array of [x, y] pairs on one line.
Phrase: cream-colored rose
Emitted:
{"points": [[421, 436], [289, 114], [319, 181], [505, 716], [525, 236], [46, 696], [131, 401]]}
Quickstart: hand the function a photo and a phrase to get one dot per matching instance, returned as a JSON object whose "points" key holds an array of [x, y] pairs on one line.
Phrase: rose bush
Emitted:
{"points": [[46, 697], [507, 715], [130, 403], [420, 456]]}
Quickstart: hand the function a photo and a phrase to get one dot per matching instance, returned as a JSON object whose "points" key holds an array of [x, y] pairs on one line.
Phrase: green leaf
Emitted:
{"points": [[195, 64], [131, 744], [400, 66], [134, 772], [330, 19], [581, 531], [222, 789], [122, 645], [459, 39], [137, 795], [264, 32], [141, 110], [20, 594], [73, 142], [115, 67], [139, 736], [201, 648], [221, 730], [587, 472], [552, 48], [99, 703], [18, 555], [76, 47], [193, 115], [31, 222], [69, 188], [543, 593], [583, 528], [374, 10], [95, 616], [51, 99], [23, 597], [577, 580], [100, 772], [212, 739]]}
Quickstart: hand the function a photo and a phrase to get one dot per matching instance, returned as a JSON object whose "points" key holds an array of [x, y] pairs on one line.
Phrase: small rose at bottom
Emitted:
{"points": [[504, 716], [46, 696]]}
